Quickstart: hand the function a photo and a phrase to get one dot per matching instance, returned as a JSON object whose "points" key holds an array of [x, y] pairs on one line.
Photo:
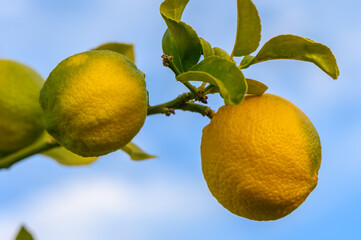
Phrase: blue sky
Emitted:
{"points": [[167, 198]]}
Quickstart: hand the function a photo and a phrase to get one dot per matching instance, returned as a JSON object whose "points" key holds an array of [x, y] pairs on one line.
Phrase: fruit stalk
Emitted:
{"points": [[182, 103], [44, 143], [168, 62]]}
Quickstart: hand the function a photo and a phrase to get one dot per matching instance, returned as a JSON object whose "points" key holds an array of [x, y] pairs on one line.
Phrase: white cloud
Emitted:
{"points": [[83, 208]]}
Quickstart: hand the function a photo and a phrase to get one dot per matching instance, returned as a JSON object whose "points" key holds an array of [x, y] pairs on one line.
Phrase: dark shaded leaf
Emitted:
{"points": [[180, 40]]}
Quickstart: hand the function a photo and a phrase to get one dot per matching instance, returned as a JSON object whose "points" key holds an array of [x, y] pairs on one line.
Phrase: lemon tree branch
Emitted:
{"points": [[168, 62], [182, 103], [46, 142]]}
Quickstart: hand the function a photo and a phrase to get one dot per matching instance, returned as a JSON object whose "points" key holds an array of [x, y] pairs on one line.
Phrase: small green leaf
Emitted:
{"points": [[207, 50], [23, 234], [248, 28], [299, 48], [246, 61], [222, 73], [135, 152], [221, 53], [255, 87], [173, 9], [65, 157], [180, 40], [122, 48]]}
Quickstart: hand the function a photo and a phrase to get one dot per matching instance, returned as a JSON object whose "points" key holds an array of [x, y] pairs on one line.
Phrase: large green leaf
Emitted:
{"points": [[135, 152], [222, 73], [248, 28], [23, 234], [65, 157], [180, 40], [299, 48], [122, 48]]}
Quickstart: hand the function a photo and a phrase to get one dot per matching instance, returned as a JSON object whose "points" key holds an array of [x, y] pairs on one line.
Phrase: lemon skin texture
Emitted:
{"points": [[21, 117], [261, 158], [94, 102]]}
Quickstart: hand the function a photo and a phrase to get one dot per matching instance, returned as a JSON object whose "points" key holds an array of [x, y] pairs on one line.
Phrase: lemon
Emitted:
{"points": [[94, 102], [21, 117], [261, 158]]}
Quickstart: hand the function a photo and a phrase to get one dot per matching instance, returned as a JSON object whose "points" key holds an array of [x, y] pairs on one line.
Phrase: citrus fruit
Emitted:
{"points": [[21, 117], [261, 158], [94, 102]]}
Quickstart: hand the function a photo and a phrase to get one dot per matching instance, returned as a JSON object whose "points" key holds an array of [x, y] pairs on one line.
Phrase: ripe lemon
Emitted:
{"points": [[94, 102], [260, 158], [21, 117]]}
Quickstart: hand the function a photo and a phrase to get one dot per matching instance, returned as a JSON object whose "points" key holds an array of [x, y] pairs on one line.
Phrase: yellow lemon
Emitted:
{"points": [[94, 102], [261, 158], [21, 117]]}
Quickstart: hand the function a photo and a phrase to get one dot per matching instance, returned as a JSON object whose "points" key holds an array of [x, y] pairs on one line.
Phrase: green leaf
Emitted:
{"points": [[255, 87], [248, 28], [222, 73], [135, 152], [180, 40], [65, 157], [23, 234], [207, 50], [298, 48], [122, 48], [173, 9], [221, 53], [246, 61]]}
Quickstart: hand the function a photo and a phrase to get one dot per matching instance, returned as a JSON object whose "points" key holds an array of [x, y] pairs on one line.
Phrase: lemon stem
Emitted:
{"points": [[44, 143], [168, 62], [209, 89], [182, 103]]}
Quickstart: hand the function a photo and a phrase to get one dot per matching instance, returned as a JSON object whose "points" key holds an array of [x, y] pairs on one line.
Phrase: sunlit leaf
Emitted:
{"points": [[222, 73], [248, 28], [255, 87], [298, 48], [207, 50], [135, 152], [173, 9], [221, 53], [65, 157], [23, 234], [122, 48], [180, 40]]}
